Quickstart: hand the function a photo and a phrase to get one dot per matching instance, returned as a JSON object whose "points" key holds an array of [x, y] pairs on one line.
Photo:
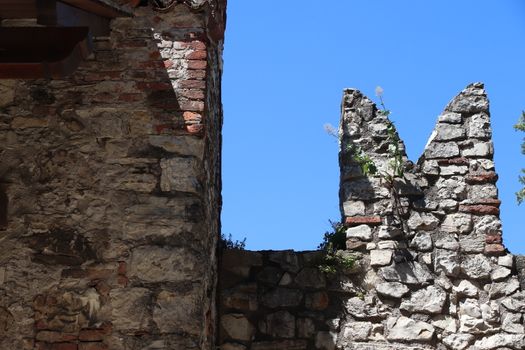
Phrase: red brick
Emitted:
{"points": [[130, 97], [195, 45], [41, 324], [194, 128], [196, 74], [491, 239], [155, 86], [92, 346], [359, 220], [479, 209], [154, 55], [192, 84], [192, 117], [42, 346], [96, 334], [197, 55], [193, 106], [63, 346], [96, 274], [191, 94], [122, 268], [74, 273], [55, 337], [103, 288], [149, 64], [494, 249], [168, 63], [455, 161], [490, 177], [122, 281], [197, 64]]}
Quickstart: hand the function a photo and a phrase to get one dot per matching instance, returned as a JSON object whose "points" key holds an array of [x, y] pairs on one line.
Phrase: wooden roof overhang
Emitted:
{"points": [[58, 43]]}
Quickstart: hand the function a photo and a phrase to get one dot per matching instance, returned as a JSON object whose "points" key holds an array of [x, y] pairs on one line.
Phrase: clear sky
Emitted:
{"points": [[286, 64]]}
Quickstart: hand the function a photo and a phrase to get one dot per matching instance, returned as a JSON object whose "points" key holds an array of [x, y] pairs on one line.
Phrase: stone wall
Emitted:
{"points": [[112, 183], [431, 271]]}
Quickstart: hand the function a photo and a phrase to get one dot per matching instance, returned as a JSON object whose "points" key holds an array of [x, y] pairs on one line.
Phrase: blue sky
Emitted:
{"points": [[286, 64]]}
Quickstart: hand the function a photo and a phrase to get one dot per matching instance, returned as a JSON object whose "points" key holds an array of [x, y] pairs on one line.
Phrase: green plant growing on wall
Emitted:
{"points": [[230, 243], [520, 195], [333, 244]]}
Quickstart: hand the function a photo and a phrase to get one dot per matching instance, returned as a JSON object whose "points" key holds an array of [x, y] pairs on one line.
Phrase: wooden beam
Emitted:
{"points": [[52, 52], [98, 7]]}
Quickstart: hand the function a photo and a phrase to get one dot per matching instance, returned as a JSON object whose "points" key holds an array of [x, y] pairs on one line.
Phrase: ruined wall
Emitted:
{"points": [[112, 184], [431, 270]]}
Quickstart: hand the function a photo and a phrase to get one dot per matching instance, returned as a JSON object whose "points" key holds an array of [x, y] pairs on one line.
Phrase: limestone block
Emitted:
{"points": [[422, 221], [441, 150], [488, 225], [179, 144], [237, 326], [453, 170], [406, 329], [362, 232], [479, 126], [479, 149], [457, 223], [449, 132], [287, 260], [451, 188], [407, 272], [280, 324], [130, 308], [175, 312], [429, 300], [282, 297], [7, 92], [486, 191], [458, 341], [447, 324], [353, 208], [451, 118], [380, 257], [500, 273], [476, 266], [501, 340], [180, 174], [447, 261], [422, 241], [466, 288], [472, 243], [500, 289], [310, 277], [305, 327], [394, 290], [357, 331], [325, 340], [158, 264]]}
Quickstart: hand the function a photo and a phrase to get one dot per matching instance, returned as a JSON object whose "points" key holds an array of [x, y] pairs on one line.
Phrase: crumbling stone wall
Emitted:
{"points": [[431, 271], [112, 184]]}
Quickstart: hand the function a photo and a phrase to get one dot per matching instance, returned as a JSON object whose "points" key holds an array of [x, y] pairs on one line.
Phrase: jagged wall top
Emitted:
{"points": [[435, 270]]}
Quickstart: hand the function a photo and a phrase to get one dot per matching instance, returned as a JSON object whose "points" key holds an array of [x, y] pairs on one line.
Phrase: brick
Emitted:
{"points": [[122, 268], [197, 64], [63, 346], [74, 273], [191, 94], [359, 220], [490, 177], [196, 74], [96, 334], [192, 117], [193, 106], [454, 161], [194, 128], [92, 346], [494, 249], [479, 209], [99, 273], [130, 97], [155, 86], [491, 239], [197, 55], [55, 337], [192, 84]]}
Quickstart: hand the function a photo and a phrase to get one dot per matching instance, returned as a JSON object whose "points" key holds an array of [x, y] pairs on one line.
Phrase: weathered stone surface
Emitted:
{"points": [[476, 267], [162, 264], [452, 118], [317, 301], [422, 221], [448, 132], [466, 288], [173, 309], [325, 340], [442, 150], [357, 330], [458, 341], [380, 257], [237, 326], [478, 149], [447, 261], [457, 223], [130, 308], [500, 273], [422, 241], [354, 208], [407, 272], [406, 329], [282, 297], [513, 341], [429, 300], [287, 259], [280, 324], [479, 126], [280, 344], [310, 277], [392, 289], [362, 232]]}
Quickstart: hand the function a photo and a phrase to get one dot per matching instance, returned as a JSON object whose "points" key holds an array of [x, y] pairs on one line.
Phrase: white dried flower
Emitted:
{"points": [[331, 130], [379, 91]]}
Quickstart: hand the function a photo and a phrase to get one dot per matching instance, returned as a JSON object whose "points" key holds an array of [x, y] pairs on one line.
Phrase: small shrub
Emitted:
{"points": [[334, 242], [230, 243]]}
